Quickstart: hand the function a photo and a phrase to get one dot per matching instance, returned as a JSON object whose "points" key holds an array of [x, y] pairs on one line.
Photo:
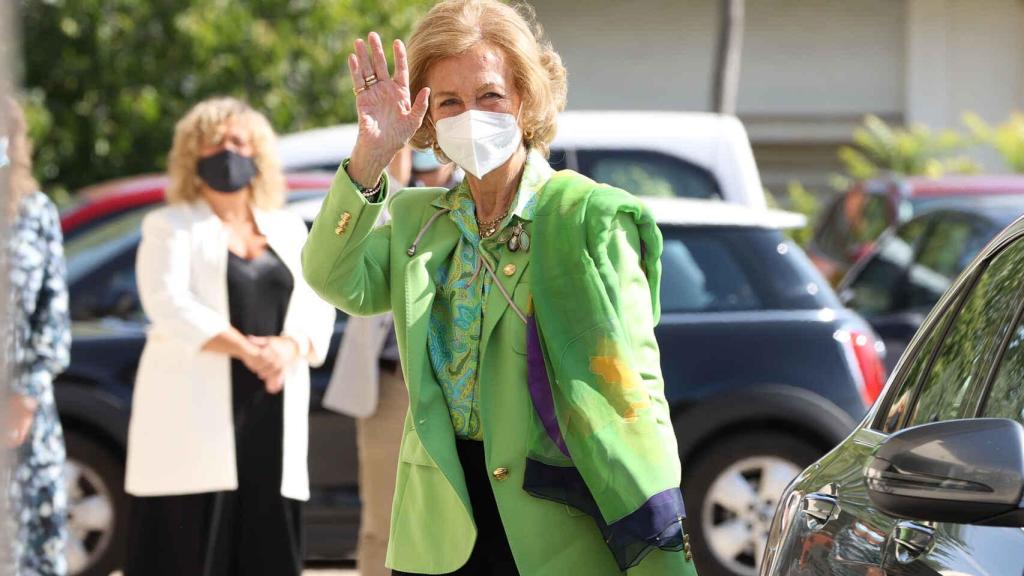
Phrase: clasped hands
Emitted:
{"points": [[269, 357]]}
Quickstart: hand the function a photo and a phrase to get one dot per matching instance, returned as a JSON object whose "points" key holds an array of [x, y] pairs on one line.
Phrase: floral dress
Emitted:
{"points": [[41, 343]]}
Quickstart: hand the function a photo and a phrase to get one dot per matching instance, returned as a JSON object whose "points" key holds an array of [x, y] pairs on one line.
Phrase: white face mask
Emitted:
{"points": [[479, 141]]}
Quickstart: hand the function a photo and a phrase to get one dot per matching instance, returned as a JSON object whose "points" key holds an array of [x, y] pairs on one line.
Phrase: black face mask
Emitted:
{"points": [[226, 171]]}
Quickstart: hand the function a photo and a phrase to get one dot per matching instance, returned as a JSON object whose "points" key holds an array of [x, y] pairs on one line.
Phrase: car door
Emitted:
{"points": [[975, 372], [942, 378]]}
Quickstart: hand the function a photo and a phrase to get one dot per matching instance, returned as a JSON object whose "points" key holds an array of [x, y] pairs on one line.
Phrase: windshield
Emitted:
{"points": [[736, 269]]}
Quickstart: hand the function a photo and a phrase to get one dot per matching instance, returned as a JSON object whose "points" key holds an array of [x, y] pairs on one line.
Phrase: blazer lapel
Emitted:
{"points": [[420, 270], [510, 272]]}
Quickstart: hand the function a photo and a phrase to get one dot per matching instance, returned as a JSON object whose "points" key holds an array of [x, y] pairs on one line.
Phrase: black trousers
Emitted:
{"points": [[491, 554]]}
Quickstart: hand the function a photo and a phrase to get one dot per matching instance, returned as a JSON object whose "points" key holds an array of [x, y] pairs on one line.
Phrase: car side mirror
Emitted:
{"points": [[958, 471]]}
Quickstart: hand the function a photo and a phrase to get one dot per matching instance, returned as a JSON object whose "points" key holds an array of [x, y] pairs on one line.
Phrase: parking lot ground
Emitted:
{"points": [[318, 571]]}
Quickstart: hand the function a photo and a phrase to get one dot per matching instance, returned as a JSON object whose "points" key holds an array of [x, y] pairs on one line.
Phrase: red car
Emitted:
{"points": [[101, 202], [856, 218]]}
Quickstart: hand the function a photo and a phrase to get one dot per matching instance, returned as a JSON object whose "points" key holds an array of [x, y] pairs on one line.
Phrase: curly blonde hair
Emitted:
{"points": [[452, 27], [204, 125], [19, 153]]}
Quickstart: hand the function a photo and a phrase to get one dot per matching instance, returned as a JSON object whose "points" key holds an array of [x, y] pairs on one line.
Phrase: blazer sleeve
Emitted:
{"points": [[311, 324], [636, 313], [163, 270], [346, 259]]}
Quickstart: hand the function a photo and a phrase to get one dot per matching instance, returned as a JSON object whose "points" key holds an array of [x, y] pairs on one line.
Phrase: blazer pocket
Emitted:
{"points": [[413, 451]]}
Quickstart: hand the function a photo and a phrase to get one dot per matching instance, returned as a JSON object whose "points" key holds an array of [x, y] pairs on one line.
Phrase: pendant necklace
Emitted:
{"points": [[489, 227]]}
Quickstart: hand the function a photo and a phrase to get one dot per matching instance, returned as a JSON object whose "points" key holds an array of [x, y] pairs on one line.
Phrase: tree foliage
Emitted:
{"points": [[1007, 138], [107, 79], [879, 148]]}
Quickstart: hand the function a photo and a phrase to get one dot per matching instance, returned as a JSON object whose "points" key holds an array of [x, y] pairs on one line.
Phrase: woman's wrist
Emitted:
{"points": [[370, 194], [366, 167], [248, 351]]}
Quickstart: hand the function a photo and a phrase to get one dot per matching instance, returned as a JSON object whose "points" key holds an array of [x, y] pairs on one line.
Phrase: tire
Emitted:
{"points": [[729, 540], [97, 506]]}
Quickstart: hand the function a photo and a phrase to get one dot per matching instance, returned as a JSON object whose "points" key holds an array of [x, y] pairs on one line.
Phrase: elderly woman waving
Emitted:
{"points": [[538, 439]]}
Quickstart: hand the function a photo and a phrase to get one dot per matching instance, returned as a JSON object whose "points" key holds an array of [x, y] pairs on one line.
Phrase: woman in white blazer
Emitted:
{"points": [[217, 445]]}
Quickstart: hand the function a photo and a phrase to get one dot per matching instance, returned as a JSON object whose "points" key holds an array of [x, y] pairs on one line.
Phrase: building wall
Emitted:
{"points": [[797, 103], [811, 68], [645, 54], [964, 55]]}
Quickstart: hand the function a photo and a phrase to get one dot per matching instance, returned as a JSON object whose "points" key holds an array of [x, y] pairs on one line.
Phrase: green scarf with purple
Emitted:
{"points": [[597, 445]]}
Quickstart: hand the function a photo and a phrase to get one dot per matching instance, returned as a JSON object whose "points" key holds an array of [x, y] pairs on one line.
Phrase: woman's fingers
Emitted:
{"points": [[354, 71], [419, 108], [365, 68], [377, 58], [401, 64], [273, 381]]}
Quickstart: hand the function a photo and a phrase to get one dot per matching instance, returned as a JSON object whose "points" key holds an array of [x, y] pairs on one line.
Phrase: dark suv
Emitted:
{"points": [[932, 482], [764, 371], [897, 284], [855, 219]]}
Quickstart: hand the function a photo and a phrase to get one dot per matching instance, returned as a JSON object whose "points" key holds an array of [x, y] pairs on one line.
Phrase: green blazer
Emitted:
{"points": [[365, 270]]}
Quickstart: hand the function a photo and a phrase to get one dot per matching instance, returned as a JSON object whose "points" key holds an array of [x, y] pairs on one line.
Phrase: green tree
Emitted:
{"points": [[107, 79], [1007, 138], [802, 201], [879, 148]]}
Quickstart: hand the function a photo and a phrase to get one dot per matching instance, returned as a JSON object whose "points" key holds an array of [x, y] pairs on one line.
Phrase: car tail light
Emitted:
{"points": [[864, 354]]}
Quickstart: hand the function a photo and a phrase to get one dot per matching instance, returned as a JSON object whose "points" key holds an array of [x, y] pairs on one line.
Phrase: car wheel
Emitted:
{"points": [[732, 489], [97, 507]]}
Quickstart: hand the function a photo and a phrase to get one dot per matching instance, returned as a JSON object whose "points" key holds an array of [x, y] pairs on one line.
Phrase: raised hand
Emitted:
{"points": [[388, 117]]}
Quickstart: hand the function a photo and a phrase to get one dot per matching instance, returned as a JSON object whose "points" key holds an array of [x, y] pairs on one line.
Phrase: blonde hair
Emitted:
{"points": [[204, 125], [454, 26], [19, 153]]}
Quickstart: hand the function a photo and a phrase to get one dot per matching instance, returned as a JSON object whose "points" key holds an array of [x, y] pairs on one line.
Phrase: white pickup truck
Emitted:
{"points": [[684, 154]]}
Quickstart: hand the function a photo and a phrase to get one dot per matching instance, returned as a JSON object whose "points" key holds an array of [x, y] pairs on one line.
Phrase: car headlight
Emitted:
{"points": [[789, 507]]}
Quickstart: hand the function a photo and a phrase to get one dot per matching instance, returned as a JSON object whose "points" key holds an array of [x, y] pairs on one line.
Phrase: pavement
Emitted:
{"points": [[312, 572]]}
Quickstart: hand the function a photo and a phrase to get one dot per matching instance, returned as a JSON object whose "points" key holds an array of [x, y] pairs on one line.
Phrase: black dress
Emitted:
{"points": [[254, 530]]}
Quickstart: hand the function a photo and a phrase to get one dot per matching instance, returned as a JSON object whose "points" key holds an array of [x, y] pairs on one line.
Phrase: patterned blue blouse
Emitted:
{"points": [[456, 320]]}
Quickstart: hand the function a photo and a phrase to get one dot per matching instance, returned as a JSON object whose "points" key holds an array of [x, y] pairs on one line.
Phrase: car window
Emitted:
{"points": [[971, 342], [700, 273], [899, 400], [722, 269], [1006, 397], [647, 173], [947, 250], [854, 220], [109, 290], [90, 249], [876, 285]]}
